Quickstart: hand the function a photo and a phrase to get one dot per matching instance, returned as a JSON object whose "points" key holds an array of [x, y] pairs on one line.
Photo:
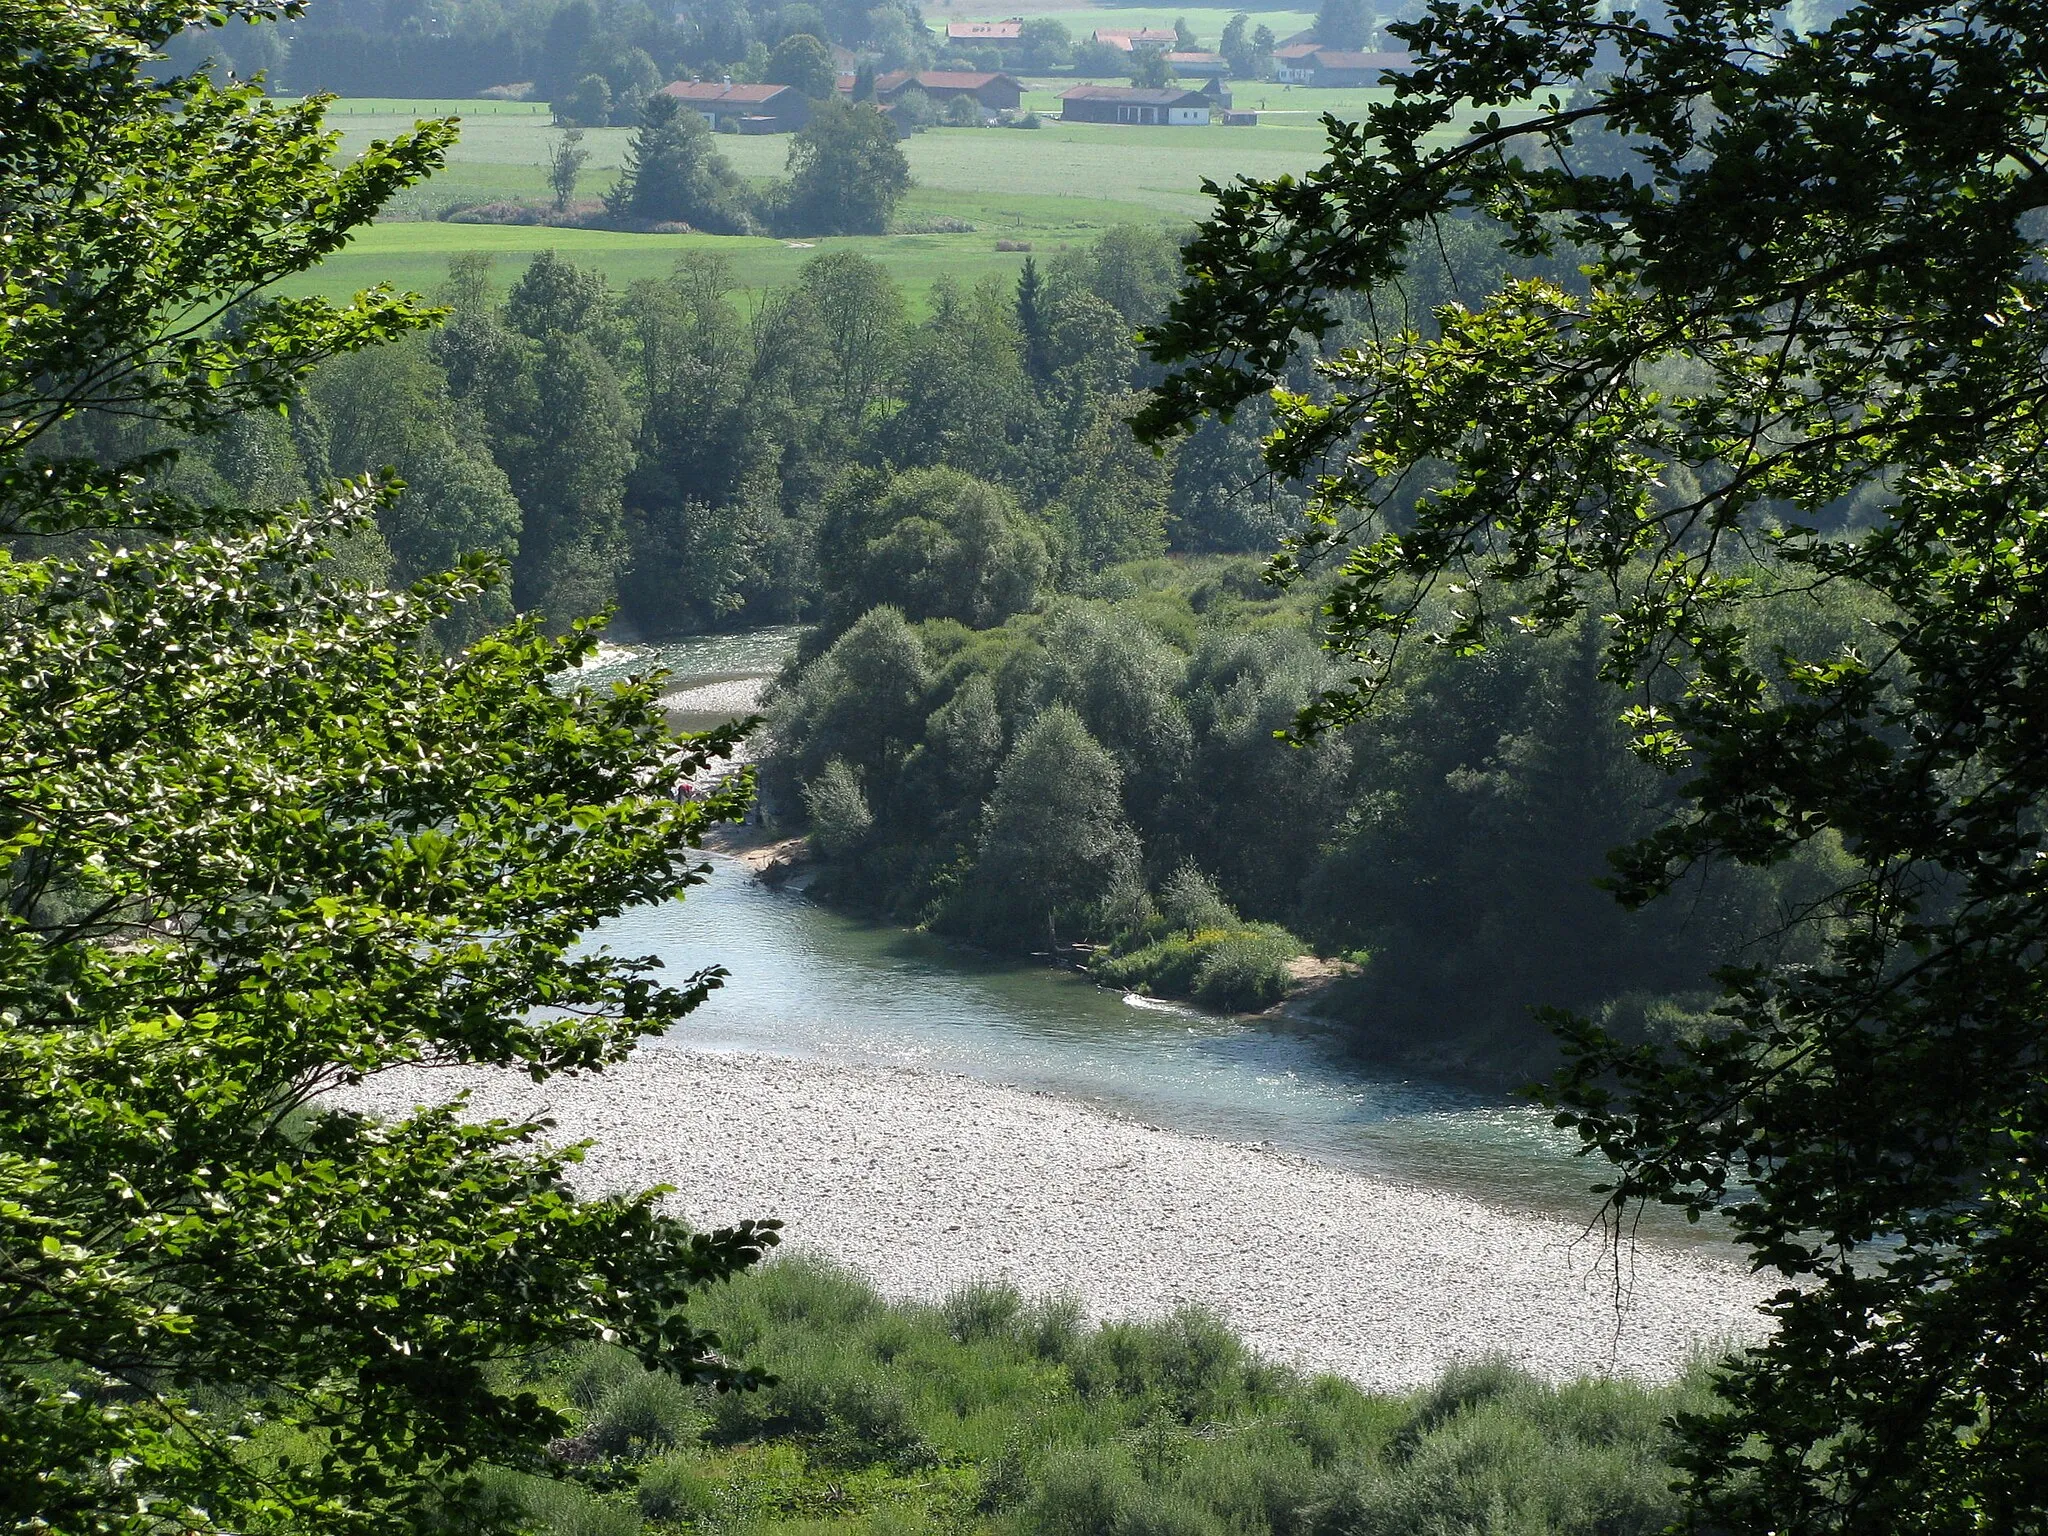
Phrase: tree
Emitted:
{"points": [[1149, 69], [1235, 46], [932, 543], [588, 104], [1184, 39], [1097, 60], [1054, 840], [1343, 24], [565, 164], [1263, 44], [804, 62], [260, 840], [1033, 323], [675, 174], [1046, 43], [1818, 290], [846, 174]]}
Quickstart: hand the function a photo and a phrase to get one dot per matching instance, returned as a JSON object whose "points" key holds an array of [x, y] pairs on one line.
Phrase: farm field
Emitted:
{"points": [[1060, 184]]}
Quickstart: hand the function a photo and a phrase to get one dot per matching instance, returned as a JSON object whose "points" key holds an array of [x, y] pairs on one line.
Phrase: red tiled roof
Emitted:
{"points": [[715, 90], [938, 79]]}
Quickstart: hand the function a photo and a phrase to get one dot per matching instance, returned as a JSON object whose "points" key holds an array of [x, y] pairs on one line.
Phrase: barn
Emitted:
{"points": [[749, 108], [994, 92], [1132, 104]]}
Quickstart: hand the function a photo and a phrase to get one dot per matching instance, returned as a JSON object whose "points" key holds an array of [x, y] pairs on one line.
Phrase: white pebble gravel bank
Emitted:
{"points": [[923, 1181]]}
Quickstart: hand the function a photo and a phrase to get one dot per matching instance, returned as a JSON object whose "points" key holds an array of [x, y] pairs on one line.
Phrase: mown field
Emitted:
{"points": [[1061, 184]]}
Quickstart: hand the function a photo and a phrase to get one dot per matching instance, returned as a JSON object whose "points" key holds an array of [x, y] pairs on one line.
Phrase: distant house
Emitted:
{"points": [[749, 108], [994, 92], [1124, 39], [1290, 61], [1129, 104], [1335, 67], [1198, 66], [1217, 92], [986, 34]]}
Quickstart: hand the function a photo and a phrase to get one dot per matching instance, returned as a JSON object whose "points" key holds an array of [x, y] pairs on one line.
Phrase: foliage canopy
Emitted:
{"points": [[1803, 354], [258, 838]]}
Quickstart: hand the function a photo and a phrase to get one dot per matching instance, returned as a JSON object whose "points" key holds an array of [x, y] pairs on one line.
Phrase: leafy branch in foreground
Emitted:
{"points": [[259, 838], [1804, 352]]}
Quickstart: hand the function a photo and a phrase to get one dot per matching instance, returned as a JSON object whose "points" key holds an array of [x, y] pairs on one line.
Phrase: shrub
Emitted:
{"points": [[983, 1310], [1241, 969], [644, 1412], [677, 1488]]}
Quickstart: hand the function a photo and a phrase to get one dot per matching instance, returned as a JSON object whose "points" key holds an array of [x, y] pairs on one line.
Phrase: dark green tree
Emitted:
{"points": [[1032, 322], [804, 62], [846, 173], [1046, 43], [258, 840], [1819, 289], [1235, 45], [588, 104], [674, 174], [1343, 24], [932, 543], [1055, 840]]}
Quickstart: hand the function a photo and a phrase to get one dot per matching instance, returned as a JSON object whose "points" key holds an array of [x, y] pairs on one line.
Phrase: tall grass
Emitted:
{"points": [[993, 1413]]}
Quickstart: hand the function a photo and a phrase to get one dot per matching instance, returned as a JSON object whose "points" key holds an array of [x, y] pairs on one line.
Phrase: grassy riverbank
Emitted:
{"points": [[986, 1413]]}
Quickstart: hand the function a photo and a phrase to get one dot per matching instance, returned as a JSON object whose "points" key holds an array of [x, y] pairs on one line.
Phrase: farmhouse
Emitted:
{"points": [[1124, 39], [1301, 64], [995, 93], [1127, 104], [986, 34], [749, 108], [1198, 66]]}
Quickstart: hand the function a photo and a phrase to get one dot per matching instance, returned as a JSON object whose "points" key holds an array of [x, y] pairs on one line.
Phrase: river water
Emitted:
{"points": [[809, 982]]}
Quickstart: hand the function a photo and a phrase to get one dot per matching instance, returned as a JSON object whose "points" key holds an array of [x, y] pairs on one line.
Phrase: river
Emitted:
{"points": [[809, 982]]}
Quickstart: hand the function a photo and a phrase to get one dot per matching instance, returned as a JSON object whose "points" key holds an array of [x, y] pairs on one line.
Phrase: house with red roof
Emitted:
{"points": [[986, 34]]}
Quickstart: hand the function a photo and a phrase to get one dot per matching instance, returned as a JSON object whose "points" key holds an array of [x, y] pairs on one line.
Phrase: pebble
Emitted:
{"points": [[923, 1181]]}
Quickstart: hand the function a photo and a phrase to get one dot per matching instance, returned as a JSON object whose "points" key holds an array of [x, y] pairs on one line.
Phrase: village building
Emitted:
{"points": [[1124, 39], [1198, 66], [986, 34], [993, 92], [1131, 104], [1301, 64], [747, 108]]}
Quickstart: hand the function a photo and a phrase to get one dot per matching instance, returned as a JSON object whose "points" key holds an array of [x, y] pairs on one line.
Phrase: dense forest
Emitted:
{"points": [[1039, 704]]}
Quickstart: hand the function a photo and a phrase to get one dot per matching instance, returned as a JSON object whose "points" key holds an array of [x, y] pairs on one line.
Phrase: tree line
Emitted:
{"points": [[686, 452]]}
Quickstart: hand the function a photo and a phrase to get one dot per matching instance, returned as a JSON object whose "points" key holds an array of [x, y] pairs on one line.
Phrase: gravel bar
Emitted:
{"points": [[923, 1181]]}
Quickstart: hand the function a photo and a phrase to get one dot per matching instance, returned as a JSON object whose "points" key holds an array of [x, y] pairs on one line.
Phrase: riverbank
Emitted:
{"points": [[922, 1182]]}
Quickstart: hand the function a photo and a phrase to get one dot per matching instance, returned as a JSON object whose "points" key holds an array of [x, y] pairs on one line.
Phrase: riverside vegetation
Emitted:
{"points": [[990, 1414]]}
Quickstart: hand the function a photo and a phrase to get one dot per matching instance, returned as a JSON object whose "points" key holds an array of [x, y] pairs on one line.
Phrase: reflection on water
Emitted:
{"points": [[809, 982]]}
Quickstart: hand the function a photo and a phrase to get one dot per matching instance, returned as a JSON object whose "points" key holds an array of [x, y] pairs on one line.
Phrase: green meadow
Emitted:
{"points": [[1057, 185]]}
